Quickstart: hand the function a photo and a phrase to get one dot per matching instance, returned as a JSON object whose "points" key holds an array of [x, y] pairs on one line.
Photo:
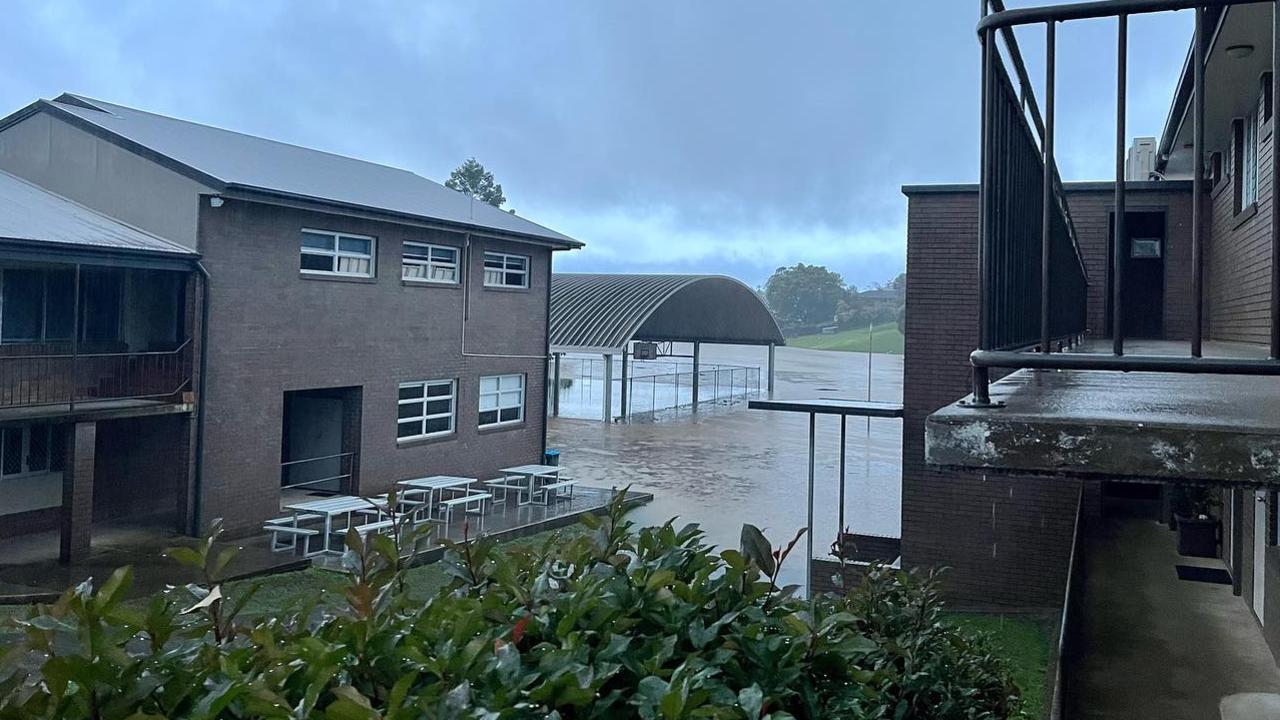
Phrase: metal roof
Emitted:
{"points": [[602, 312], [227, 160], [32, 215]]}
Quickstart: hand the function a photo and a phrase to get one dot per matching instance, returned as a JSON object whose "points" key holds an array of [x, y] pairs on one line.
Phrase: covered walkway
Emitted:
{"points": [[640, 316], [1154, 646]]}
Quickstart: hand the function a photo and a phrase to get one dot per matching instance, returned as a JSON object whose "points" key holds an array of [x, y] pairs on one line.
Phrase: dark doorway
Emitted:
{"points": [[320, 441], [1143, 268]]}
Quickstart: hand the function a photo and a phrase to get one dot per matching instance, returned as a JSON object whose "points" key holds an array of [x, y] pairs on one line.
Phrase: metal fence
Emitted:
{"points": [[42, 378], [653, 387]]}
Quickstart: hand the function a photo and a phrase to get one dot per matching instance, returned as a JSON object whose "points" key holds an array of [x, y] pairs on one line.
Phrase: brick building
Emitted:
{"points": [[314, 322]]}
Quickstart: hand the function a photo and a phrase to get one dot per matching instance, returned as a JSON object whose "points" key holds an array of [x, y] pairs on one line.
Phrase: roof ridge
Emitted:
{"points": [[40, 188]]}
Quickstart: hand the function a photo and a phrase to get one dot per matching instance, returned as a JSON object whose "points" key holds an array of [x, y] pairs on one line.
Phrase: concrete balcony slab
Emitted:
{"points": [[1140, 425]]}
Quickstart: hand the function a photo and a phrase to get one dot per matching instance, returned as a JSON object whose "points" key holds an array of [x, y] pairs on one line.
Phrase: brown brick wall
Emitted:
{"points": [[1238, 257], [1006, 540], [272, 330]]}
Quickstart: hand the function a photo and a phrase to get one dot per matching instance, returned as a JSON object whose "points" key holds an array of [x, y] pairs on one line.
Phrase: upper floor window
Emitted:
{"points": [[38, 304], [503, 270], [501, 399], [332, 253], [426, 409], [430, 263], [1244, 161]]}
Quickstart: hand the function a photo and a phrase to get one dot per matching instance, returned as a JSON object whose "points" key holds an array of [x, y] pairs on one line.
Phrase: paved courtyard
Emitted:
{"points": [[728, 465]]}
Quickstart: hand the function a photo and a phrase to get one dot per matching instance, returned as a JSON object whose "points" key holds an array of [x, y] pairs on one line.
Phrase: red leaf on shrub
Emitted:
{"points": [[517, 632]]}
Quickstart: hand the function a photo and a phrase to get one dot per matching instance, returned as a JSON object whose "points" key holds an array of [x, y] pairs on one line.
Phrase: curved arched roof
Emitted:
{"points": [[599, 312]]}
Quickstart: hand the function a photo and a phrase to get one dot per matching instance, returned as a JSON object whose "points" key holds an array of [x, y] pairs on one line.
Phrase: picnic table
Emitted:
{"points": [[434, 487], [330, 508], [530, 476]]}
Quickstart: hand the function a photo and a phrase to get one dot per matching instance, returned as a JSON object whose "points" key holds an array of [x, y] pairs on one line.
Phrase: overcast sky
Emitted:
{"points": [[676, 136]]}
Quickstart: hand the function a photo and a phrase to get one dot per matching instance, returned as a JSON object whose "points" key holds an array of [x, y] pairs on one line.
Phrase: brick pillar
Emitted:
{"points": [[77, 492]]}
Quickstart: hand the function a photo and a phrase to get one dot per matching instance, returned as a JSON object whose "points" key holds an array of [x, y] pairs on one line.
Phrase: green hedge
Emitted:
{"points": [[617, 623]]}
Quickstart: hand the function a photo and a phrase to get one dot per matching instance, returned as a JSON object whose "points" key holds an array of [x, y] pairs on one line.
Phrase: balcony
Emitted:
{"points": [[91, 339], [1059, 387]]}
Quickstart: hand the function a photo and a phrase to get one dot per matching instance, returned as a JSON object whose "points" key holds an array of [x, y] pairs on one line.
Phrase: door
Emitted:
{"points": [[1260, 511], [1142, 285]]}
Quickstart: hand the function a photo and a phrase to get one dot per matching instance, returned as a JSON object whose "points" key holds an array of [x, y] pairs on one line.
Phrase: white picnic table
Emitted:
{"points": [[329, 508], [434, 486], [531, 475]]}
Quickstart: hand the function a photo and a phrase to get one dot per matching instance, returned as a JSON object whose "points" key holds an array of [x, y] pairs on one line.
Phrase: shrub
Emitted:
{"points": [[619, 623]]}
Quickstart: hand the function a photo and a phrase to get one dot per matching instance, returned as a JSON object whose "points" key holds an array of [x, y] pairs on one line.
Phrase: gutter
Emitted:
{"points": [[198, 481]]}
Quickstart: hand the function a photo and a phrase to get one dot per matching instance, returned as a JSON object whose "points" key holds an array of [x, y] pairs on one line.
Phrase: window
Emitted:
{"points": [[330, 253], [31, 449], [1244, 161], [426, 409], [501, 399], [429, 263], [503, 270], [38, 305]]}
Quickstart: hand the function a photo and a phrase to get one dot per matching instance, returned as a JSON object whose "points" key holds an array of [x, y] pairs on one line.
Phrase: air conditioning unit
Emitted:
{"points": [[645, 351]]}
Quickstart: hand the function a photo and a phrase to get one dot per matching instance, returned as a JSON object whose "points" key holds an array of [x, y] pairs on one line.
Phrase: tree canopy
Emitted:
{"points": [[804, 294], [470, 177]]}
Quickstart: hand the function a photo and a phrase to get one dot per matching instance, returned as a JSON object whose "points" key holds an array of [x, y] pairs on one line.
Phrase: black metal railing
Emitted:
{"points": [[326, 473], [1033, 287], [38, 377]]}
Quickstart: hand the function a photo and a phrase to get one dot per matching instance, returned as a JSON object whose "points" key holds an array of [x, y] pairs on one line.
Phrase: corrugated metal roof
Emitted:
{"points": [[598, 312], [29, 213], [238, 160]]}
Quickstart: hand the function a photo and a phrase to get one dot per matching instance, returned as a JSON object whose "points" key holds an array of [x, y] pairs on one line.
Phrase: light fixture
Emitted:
{"points": [[215, 202], [1239, 51]]}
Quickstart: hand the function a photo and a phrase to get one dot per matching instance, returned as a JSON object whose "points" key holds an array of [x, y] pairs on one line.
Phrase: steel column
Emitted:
{"points": [[808, 561], [555, 392], [1197, 187], [1118, 249], [625, 395], [1046, 229], [1275, 189], [696, 364], [772, 348], [844, 419], [608, 388], [981, 377]]}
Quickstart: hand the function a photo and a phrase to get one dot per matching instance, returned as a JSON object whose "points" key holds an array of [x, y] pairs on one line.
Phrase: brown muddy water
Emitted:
{"points": [[728, 465]]}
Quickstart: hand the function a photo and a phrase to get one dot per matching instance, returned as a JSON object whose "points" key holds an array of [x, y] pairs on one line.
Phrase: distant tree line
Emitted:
{"points": [[810, 297]]}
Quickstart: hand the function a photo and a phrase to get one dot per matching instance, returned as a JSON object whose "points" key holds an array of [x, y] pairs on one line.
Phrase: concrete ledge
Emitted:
{"points": [[1139, 425]]}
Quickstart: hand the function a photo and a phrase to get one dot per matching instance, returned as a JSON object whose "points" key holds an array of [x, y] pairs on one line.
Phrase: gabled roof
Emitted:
{"points": [[32, 216], [603, 312], [226, 160]]}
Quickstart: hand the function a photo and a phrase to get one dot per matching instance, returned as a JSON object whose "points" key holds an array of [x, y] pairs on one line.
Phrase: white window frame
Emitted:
{"points": [[337, 253], [423, 416], [429, 265], [1249, 158], [521, 267], [502, 388]]}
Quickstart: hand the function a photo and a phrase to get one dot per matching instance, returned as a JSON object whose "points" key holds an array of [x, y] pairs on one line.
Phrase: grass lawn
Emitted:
{"points": [[884, 339], [1024, 642]]}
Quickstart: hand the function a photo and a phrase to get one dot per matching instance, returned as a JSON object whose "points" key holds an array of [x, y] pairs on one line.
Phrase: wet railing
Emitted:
{"points": [[1032, 284], [650, 390], [326, 473], [37, 377]]}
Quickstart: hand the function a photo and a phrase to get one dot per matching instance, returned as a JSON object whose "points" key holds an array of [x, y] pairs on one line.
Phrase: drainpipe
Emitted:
{"points": [[196, 490]]}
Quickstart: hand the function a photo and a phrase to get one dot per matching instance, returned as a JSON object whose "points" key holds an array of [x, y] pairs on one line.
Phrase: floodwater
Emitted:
{"points": [[728, 465]]}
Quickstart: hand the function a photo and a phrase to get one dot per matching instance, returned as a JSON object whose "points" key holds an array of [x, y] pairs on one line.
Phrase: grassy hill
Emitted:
{"points": [[884, 339]]}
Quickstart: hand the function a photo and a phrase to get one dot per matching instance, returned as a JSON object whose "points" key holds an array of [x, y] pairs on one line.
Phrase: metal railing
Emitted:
{"points": [[326, 473], [653, 394], [1032, 285], [41, 378], [650, 388]]}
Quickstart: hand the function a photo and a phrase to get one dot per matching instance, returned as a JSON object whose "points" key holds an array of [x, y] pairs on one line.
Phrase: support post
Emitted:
{"points": [[75, 341], [1275, 190], [608, 388], [981, 376], [808, 560], [697, 346], [625, 411], [77, 492], [555, 386], [1197, 187], [772, 350], [1046, 227], [1118, 244], [844, 420]]}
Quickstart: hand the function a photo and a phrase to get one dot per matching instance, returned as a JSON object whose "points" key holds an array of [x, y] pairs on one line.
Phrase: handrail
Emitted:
{"points": [[1003, 19], [59, 356]]}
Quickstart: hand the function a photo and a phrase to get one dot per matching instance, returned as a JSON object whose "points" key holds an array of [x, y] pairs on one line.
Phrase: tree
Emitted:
{"points": [[471, 178], [804, 294]]}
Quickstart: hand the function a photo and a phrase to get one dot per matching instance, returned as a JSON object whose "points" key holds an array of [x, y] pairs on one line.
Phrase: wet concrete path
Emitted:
{"points": [[728, 465]]}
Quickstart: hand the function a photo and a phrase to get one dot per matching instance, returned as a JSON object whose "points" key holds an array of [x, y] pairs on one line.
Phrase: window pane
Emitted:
{"points": [[317, 262], [493, 277], [355, 245], [11, 451], [416, 252], [489, 401], [23, 304], [60, 303], [317, 241], [489, 417], [38, 448], [439, 425], [511, 382], [516, 262], [446, 274], [435, 407], [515, 279], [492, 261], [440, 389], [57, 446], [412, 271], [410, 410], [409, 429], [408, 392], [100, 304], [448, 255], [512, 399], [354, 266], [489, 384], [509, 414]]}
